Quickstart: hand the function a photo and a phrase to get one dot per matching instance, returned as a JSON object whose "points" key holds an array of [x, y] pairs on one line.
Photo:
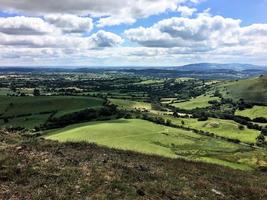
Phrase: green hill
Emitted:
{"points": [[32, 168], [251, 90], [149, 138], [29, 112]]}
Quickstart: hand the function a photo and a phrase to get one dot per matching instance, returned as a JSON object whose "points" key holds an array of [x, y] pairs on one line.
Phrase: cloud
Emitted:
{"points": [[203, 38], [205, 31], [186, 11], [53, 31], [111, 12], [105, 39], [21, 25], [100, 39], [70, 23]]}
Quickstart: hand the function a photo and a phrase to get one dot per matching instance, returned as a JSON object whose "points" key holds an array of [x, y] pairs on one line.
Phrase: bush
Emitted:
{"points": [[241, 127], [203, 118], [264, 131]]}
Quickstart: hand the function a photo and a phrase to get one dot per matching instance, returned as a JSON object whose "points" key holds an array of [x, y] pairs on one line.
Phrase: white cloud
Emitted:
{"points": [[204, 31], [126, 11], [70, 23], [105, 39], [64, 38], [98, 40], [204, 37], [186, 11], [21, 25]]}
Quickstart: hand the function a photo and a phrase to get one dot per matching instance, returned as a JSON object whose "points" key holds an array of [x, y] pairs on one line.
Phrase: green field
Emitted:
{"points": [[150, 82], [26, 122], [220, 127], [38, 108], [6, 91], [146, 137], [198, 102], [131, 105], [251, 90], [256, 111]]}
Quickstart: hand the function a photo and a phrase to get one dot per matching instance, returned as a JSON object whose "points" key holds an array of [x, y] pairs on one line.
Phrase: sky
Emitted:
{"points": [[64, 33]]}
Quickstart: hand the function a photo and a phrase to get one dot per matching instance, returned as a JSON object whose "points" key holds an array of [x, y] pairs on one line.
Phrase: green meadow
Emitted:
{"points": [[220, 127], [198, 102], [131, 105], [149, 138], [251, 90], [39, 108], [256, 111]]}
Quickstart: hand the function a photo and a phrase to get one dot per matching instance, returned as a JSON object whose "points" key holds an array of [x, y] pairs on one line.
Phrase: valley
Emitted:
{"points": [[206, 122]]}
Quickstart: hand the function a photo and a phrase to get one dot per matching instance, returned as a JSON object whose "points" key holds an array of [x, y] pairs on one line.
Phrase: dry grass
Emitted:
{"points": [[39, 169]]}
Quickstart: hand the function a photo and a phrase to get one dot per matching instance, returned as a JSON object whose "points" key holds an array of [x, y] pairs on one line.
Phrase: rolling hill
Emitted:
{"points": [[251, 90]]}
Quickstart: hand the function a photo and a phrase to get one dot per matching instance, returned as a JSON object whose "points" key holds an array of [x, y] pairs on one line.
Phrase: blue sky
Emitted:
{"points": [[132, 32]]}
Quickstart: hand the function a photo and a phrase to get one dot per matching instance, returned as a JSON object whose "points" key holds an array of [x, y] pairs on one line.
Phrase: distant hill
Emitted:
{"points": [[211, 71], [251, 90], [216, 66]]}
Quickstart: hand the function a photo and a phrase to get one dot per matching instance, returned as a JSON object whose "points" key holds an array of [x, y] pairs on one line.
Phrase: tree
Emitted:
{"points": [[36, 92], [241, 127], [264, 131], [168, 122], [260, 139], [5, 120]]}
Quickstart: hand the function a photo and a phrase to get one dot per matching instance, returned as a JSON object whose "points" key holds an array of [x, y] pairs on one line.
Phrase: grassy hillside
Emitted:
{"points": [[131, 105], [38, 108], [41, 169], [220, 127], [198, 102], [146, 137], [256, 111], [252, 90]]}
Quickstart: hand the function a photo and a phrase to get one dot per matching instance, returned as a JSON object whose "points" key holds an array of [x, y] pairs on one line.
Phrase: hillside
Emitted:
{"points": [[251, 90], [32, 168], [30, 111]]}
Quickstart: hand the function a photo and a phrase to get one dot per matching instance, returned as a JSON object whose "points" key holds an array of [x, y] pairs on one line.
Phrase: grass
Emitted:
{"points": [[256, 111], [27, 122], [251, 90], [131, 105], [6, 91], [14, 107], [32, 168], [198, 102], [220, 127], [149, 138], [150, 82]]}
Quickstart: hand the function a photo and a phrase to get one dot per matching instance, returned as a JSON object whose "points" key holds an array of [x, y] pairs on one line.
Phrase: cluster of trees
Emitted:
{"points": [[261, 140], [105, 112]]}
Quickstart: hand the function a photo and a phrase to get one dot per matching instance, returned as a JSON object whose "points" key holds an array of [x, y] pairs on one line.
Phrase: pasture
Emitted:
{"points": [[220, 127], [149, 138], [131, 105], [33, 111], [198, 102], [251, 90], [252, 113]]}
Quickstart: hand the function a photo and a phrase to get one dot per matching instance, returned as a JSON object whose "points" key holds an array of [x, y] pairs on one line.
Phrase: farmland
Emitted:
{"points": [[256, 111], [256, 87], [33, 111], [146, 137], [185, 121], [198, 102], [131, 105]]}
